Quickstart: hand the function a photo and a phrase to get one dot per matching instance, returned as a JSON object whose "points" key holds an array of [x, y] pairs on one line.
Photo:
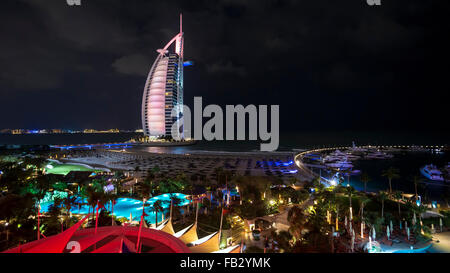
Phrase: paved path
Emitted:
{"points": [[444, 243]]}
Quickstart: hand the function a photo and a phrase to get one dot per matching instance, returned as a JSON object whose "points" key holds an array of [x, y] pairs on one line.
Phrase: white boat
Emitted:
{"points": [[432, 172], [378, 155], [341, 164], [340, 156]]}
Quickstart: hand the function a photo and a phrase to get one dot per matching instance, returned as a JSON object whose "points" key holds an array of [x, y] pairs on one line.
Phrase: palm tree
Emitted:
{"points": [[382, 196], [365, 179], [144, 189], [68, 203], [398, 195], [391, 173], [350, 190], [297, 220], [347, 173], [157, 207], [363, 200], [94, 198]]}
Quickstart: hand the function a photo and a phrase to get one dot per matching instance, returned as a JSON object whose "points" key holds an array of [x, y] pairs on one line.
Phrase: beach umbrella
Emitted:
{"points": [[407, 233], [440, 223], [387, 232], [353, 241], [374, 234]]}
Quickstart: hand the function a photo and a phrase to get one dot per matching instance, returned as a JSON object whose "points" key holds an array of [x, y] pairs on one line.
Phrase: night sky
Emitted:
{"points": [[328, 64]]}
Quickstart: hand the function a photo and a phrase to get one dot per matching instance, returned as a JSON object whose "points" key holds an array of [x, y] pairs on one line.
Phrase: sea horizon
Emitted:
{"points": [[288, 140]]}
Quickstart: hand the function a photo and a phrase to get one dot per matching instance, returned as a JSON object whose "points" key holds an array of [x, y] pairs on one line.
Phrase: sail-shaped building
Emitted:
{"points": [[163, 90]]}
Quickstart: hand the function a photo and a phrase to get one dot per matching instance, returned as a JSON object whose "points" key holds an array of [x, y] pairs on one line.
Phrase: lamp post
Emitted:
{"points": [[39, 223], [7, 231]]}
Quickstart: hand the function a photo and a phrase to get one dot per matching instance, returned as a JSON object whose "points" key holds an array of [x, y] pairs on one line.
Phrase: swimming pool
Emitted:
{"points": [[420, 250], [126, 207]]}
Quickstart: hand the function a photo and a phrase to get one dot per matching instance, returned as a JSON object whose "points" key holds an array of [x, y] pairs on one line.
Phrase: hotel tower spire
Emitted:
{"points": [[164, 88]]}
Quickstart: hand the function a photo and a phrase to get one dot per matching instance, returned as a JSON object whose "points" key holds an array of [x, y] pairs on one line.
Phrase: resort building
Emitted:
{"points": [[163, 90]]}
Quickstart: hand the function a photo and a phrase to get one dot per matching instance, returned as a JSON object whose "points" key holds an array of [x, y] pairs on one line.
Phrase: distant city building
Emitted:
{"points": [[164, 89], [93, 131]]}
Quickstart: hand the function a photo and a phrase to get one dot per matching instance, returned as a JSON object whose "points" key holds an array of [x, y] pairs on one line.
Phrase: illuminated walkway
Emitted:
{"points": [[444, 243]]}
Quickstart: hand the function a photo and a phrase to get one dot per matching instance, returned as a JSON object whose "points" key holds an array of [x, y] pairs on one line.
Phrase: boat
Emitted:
{"points": [[378, 155], [432, 172], [340, 156], [340, 164]]}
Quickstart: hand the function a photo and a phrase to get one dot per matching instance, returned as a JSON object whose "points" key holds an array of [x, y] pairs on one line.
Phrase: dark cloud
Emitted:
{"points": [[290, 52], [226, 68], [135, 64]]}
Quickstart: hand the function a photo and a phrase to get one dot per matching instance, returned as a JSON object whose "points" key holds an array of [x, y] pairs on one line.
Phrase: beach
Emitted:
{"points": [[202, 164]]}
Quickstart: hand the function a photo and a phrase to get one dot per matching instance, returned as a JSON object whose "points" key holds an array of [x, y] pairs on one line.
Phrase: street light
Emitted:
{"points": [[7, 231]]}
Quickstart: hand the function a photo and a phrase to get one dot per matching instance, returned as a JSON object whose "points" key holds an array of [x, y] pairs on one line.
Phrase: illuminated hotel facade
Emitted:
{"points": [[164, 89]]}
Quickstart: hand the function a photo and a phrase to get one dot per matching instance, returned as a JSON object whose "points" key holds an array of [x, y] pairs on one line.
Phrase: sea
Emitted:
{"points": [[287, 140]]}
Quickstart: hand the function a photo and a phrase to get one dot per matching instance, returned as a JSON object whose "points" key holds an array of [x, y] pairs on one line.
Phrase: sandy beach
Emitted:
{"points": [[200, 163]]}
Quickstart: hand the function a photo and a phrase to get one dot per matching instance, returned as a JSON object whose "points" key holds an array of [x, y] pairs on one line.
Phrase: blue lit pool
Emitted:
{"points": [[420, 250], [125, 207]]}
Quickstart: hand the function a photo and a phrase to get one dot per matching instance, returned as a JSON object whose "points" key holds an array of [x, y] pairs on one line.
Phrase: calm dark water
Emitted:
{"points": [[409, 164], [288, 141], [64, 139]]}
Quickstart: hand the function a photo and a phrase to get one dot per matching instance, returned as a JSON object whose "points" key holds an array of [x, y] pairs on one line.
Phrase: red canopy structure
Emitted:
{"points": [[111, 239]]}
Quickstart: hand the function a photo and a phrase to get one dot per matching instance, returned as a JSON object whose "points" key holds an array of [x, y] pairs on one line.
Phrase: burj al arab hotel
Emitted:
{"points": [[164, 89]]}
